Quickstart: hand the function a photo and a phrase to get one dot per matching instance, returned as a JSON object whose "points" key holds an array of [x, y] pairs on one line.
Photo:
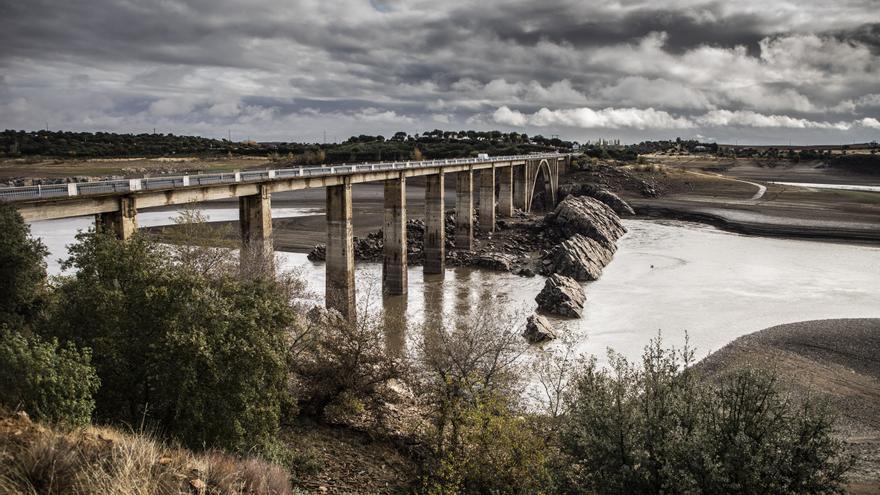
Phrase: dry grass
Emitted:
{"points": [[35, 459]]}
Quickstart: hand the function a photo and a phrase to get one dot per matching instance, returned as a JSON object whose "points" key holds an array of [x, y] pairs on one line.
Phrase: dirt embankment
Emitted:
{"points": [[742, 196], [837, 361]]}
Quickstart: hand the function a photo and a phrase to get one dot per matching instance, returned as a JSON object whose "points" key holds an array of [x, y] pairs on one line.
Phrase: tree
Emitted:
{"points": [[23, 293], [202, 356]]}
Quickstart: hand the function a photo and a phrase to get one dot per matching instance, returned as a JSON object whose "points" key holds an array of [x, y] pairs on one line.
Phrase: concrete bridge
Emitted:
{"points": [[504, 183]]}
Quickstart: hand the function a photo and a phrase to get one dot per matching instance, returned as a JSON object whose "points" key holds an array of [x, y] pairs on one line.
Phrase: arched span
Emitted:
{"points": [[542, 181]]}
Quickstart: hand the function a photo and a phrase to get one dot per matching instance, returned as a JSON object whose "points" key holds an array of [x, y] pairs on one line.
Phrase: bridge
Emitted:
{"points": [[504, 183]]}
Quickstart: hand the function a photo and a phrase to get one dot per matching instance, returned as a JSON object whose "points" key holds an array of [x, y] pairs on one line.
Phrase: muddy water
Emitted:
{"points": [[669, 277]]}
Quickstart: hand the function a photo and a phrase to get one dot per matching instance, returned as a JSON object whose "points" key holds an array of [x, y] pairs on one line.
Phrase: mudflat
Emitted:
{"points": [[741, 195]]}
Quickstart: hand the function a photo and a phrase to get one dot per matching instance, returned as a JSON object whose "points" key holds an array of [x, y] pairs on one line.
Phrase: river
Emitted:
{"points": [[667, 276]]}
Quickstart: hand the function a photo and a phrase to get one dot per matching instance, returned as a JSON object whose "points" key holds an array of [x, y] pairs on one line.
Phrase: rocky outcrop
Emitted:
{"points": [[589, 217], [617, 204], [578, 257], [561, 296], [496, 261], [538, 329]]}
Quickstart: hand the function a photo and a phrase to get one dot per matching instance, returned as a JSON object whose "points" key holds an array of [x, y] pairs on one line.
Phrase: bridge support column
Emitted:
{"points": [[464, 210], [487, 199], [435, 225], [340, 290], [520, 181], [255, 222], [122, 223], [505, 192], [394, 236]]}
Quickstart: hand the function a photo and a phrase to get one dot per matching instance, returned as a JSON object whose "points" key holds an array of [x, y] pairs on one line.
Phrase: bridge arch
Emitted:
{"points": [[543, 180]]}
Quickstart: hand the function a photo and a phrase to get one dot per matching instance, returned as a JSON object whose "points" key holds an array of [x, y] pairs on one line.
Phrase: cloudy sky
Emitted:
{"points": [[758, 71]]}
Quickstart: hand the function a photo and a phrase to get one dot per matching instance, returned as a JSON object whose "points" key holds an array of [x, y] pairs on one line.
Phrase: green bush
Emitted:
{"points": [[660, 428], [22, 270], [202, 356], [50, 382]]}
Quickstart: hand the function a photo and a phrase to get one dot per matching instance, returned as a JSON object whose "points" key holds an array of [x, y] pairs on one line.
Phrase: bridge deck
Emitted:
{"points": [[89, 198]]}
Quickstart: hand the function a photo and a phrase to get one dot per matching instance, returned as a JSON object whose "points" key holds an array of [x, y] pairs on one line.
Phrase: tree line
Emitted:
{"points": [[400, 146]]}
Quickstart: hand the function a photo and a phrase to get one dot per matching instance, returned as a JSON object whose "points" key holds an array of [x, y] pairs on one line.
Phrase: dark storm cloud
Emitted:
{"points": [[268, 65], [685, 30]]}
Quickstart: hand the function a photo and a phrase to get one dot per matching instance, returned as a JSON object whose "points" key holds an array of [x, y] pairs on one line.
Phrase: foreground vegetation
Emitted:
{"points": [[218, 359]]}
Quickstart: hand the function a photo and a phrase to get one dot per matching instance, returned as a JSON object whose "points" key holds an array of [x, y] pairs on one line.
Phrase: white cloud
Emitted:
{"points": [[746, 118], [649, 118], [870, 123], [504, 115]]}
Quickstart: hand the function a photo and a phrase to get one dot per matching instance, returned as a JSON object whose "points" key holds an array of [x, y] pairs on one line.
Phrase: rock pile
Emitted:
{"points": [[538, 329], [619, 206], [371, 248], [578, 257], [562, 296], [589, 217], [589, 230]]}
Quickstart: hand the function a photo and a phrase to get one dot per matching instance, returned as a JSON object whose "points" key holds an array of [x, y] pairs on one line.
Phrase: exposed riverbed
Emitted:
{"points": [[666, 276]]}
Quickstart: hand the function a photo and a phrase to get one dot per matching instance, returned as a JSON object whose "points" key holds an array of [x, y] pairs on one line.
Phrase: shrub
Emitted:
{"points": [[480, 439], [201, 356], [22, 270], [340, 367], [48, 381], [661, 429]]}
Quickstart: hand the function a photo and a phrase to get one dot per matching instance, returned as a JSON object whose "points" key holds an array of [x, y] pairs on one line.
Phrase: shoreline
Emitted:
{"points": [[776, 230]]}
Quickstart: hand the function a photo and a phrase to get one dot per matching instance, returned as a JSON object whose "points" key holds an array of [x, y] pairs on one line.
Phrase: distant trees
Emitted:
{"points": [[433, 144]]}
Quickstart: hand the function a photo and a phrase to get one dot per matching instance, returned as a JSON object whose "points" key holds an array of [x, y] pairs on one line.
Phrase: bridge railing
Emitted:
{"points": [[52, 191]]}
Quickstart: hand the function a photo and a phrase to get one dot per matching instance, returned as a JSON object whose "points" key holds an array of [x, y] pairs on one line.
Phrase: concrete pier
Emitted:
{"points": [[435, 225], [255, 222], [487, 199], [520, 186], [394, 237], [464, 210], [340, 290], [121, 223], [505, 192]]}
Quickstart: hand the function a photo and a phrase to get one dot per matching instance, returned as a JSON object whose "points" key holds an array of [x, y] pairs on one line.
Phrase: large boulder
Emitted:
{"points": [[589, 217], [538, 329], [617, 204], [578, 257], [562, 296]]}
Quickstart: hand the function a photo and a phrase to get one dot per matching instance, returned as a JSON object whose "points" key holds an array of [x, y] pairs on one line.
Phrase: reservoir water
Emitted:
{"points": [[667, 276]]}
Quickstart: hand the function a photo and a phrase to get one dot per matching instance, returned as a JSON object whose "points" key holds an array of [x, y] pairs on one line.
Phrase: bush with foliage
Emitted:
{"points": [[340, 367], [661, 428], [202, 356], [481, 439], [23, 291], [50, 382]]}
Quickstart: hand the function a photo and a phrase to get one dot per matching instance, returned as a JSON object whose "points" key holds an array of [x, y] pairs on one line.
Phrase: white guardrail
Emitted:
{"points": [[51, 191]]}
